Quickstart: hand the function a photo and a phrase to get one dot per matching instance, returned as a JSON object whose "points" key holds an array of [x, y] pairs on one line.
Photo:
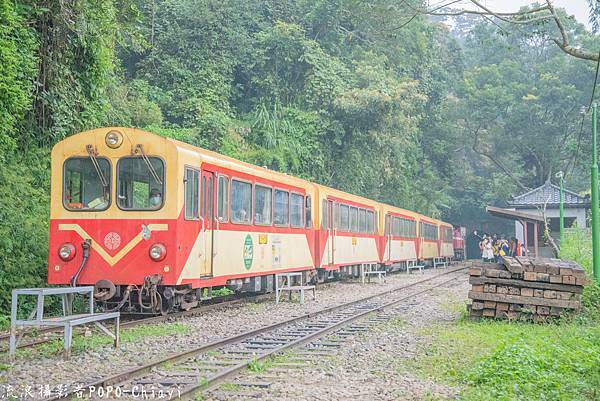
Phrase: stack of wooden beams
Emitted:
{"points": [[525, 288]]}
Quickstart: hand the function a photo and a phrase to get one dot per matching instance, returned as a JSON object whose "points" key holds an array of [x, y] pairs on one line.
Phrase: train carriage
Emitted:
{"points": [[400, 241], [446, 240], [152, 222], [348, 231], [217, 221]]}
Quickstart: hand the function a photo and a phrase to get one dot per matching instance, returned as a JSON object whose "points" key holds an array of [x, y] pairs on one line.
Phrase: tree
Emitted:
{"points": [[554, 22]]}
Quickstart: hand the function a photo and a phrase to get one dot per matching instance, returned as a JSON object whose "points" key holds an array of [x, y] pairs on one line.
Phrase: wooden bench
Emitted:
{"points": [[372, 269], [286, 282], [413, 264], [440, 262], [68, 321]]}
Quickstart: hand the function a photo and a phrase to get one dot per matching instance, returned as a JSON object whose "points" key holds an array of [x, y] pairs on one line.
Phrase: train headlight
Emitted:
{"points": [[158, 252], [67, 252], [113, 139]]}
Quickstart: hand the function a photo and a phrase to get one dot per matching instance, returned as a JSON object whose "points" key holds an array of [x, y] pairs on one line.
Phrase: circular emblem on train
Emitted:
{"points": [[248, 252], [112, 240]]}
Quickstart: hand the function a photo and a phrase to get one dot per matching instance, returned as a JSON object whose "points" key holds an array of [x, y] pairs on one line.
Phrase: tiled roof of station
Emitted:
{"points": [[549, 195]]}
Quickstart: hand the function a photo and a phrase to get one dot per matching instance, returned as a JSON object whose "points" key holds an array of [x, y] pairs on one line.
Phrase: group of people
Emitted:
{"points": [[493, 247]]}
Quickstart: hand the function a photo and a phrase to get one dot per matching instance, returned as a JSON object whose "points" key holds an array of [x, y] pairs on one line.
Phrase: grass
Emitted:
{"points": [[229, 387], [454, 305], [82, 344], [256, 306], [256, 366], [494, 360], [515, 361], [284, 357], [220, 292]]}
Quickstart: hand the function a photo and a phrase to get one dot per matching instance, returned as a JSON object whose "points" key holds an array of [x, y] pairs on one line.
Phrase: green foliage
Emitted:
{"points": [[256, 366], [562, 370], [76, 66], [132, 107], [220, 292], [229, 387], [17, 71], [515, 361], [24, 195], [577, 246], [520, 361], [82, 343], [337, 92]]}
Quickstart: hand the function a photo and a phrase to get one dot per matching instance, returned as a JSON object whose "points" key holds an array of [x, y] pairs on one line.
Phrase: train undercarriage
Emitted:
{"points": [[153, 298]]}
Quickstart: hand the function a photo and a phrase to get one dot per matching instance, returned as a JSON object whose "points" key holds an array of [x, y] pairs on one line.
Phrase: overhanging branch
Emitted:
{"points": [[517, 18]]}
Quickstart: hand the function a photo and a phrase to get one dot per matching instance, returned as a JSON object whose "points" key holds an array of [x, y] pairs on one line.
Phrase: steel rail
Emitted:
{"points": [[218, 378], [172, 358]]}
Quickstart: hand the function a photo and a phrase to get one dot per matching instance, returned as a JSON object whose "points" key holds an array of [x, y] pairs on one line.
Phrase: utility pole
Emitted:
{"points": [[595, 211], [560, 176]]}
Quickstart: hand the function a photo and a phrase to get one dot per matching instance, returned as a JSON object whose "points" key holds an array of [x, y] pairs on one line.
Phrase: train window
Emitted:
{"points": [[308, 212], [241, 202], [223, 198], [370, 221], [387, 225], [344, 217], [282, 207], [263, 197], [296, 210], [353, 219], [140, 183], [429, 231], [191, 185], [86, 184], [447, 234], [203, 197], [325, 215], [362, 220], [412, 229], [210, 199]]}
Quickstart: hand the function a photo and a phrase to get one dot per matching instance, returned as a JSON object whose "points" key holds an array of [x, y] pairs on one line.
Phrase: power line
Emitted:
{"points": [[595, 81], [571, 164]]}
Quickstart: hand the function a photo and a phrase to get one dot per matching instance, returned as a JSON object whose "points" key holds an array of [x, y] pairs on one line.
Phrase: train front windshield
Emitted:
{"points": [[86, 184], [140, 183]]}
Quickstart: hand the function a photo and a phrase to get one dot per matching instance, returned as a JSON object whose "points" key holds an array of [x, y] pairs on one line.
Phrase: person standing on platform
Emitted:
{"points": [[487, 251]]}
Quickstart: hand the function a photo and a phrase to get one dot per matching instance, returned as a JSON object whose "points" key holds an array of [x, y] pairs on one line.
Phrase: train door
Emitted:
{"points": [[420, 242], [331, 226], [388, 233], [207, 218]]}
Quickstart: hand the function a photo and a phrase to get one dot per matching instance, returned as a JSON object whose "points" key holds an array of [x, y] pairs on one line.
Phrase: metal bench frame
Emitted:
{"points": [[67, 321], [372, 269], [286, 280], [412, 264], [440, 261]]}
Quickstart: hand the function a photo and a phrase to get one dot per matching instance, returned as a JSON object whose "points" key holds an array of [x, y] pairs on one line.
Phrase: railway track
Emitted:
{"points": [[46, 335], [184, 374]]}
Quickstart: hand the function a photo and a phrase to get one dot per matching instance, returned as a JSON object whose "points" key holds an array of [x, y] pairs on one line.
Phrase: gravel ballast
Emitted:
{"points": [[369, 366], [36, 367]]}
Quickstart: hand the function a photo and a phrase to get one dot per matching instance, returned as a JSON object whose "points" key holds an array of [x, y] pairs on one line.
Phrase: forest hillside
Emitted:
{"points": [[362, 96]]}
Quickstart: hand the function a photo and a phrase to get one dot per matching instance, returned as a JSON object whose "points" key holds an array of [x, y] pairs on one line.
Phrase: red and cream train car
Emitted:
{"points": [[347, 233], [152, 222]]}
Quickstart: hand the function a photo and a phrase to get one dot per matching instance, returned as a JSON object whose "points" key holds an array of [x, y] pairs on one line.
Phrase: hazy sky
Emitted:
{"points": [[579, 8]]}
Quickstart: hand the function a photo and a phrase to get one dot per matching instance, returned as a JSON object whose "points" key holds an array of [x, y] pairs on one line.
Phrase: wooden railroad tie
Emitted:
{"points": [[525, 288]]}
